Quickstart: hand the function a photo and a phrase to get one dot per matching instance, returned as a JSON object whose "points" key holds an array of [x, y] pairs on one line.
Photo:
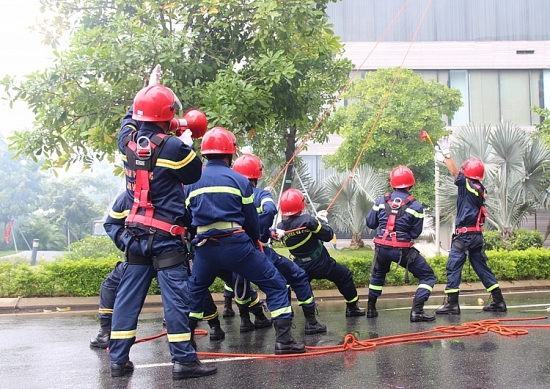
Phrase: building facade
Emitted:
{"points": [[496, 52]]}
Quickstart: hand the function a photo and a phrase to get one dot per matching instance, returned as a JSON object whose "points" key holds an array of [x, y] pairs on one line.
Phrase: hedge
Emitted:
{"points": [[71, 277]]}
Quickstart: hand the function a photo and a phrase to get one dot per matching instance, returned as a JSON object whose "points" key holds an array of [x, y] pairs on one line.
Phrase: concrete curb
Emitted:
{"points": [[63, 304]]}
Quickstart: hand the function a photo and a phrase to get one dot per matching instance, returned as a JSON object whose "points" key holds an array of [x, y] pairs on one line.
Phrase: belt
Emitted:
{"points": [[465, 230], [392, 243], [219, 226], [313, 256]]}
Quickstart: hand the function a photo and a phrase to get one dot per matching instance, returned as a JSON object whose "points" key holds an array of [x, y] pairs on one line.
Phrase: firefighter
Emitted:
{"points": [[114, 227], [221, 205], [250, 166], [304, 236], [398, 218], [468, 234], [156, 165]]}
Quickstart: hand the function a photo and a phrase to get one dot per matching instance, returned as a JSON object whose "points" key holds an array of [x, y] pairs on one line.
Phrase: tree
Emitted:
{"points": [[413, 105], [68, 208], [50, 236], [355, 201], [516, 173], [262, 68], [20, 185]]}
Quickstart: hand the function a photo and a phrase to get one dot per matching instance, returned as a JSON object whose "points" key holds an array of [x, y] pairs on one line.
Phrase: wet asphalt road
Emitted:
{"points": [[51, 351]]}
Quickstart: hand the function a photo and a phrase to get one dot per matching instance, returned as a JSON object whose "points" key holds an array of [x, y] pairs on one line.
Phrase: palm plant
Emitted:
{"points": [[355, 200], [516, 173]]}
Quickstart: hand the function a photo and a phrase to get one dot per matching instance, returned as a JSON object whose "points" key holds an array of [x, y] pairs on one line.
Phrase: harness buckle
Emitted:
{"points": [[143, 147], [396, 203]]}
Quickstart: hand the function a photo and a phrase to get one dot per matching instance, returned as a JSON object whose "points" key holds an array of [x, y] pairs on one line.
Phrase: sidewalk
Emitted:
{"points": [[63, 304]]}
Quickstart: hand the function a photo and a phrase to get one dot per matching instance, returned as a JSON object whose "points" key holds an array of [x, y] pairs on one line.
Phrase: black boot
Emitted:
{"points": [[121, 369], [371, 306], [452, 307], [417, 312], [104, 335], [260, 320], [285, 344], [182, 370], [352, 309], [498, 304], [227, 307], [312, 325], [216, 332], [246, 324], [192, 326]]}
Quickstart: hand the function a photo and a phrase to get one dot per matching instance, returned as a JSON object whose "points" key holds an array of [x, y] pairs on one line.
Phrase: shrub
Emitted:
{"points": [[520, 240]]}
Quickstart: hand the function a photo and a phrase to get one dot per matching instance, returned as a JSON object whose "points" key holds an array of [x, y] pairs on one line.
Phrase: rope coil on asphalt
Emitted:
{"points": [[350, 343]]}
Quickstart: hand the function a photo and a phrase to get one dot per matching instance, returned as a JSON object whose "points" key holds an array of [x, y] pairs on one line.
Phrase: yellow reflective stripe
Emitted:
{"points": [[493, 287], [221, 189], [242, 302], [260, 209], [319, 226], [447, 291], [375, 287], [470, 189], [377, 207], [281, 311], [124, 158], [356, 298], [173, 338], [167, 163], [119, 215], [253, 303], [123, 334], [210, 317], [306, 302], [196, 315], [228, 288], [308, 237], [415, 213], [425, 286], [105, 310]]}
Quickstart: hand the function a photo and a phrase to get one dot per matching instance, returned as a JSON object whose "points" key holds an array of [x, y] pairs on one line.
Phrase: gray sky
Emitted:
{"points": [[22, 53]]}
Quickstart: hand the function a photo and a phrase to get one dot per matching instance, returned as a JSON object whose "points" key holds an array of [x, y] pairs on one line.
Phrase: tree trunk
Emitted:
{"points": [[289, 152], [356, 241]]}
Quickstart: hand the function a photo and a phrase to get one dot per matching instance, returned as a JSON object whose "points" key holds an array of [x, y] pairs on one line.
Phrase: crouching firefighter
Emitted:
{"points": [[399, 219], [221, 204], [304, 236], [156, 165]]}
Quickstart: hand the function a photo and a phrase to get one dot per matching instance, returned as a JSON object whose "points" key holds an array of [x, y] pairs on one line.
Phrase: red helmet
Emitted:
{"points": [[249, 166], [473, 169], [155, 103], [218, 141], [401, 177], [292, 202]]}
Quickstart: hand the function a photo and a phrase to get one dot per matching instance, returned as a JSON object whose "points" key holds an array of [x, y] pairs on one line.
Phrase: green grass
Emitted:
{"points": [[6, 253]]}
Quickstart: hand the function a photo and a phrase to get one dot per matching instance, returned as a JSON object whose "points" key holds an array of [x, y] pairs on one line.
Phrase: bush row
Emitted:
{"points": [[69, 277]]}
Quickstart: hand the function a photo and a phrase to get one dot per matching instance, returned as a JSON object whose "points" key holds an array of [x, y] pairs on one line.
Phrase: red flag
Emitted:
{"points": [[7, 230]]}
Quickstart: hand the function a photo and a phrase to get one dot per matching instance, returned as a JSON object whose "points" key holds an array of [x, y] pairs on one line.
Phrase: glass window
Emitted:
{"points": [[515, 97], [484, 96], [459, 79]]}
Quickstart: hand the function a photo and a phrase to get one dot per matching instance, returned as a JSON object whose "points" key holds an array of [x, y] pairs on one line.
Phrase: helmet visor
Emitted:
{"points": [[176, 105]]}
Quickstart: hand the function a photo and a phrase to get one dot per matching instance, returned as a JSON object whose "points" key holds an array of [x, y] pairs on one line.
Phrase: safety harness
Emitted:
{"points": [[480, 216], [142, 154], [394, 208]]}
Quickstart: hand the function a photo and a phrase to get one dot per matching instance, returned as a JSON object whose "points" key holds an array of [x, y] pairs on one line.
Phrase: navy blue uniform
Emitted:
{"points": [[296, 277], [221, 204], [177, 164], [306, 246], [471, 197], [114, 226], [408, 226]]}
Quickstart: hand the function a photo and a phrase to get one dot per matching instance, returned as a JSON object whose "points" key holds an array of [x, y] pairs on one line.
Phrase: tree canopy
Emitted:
{"points": [[261, 68]]}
